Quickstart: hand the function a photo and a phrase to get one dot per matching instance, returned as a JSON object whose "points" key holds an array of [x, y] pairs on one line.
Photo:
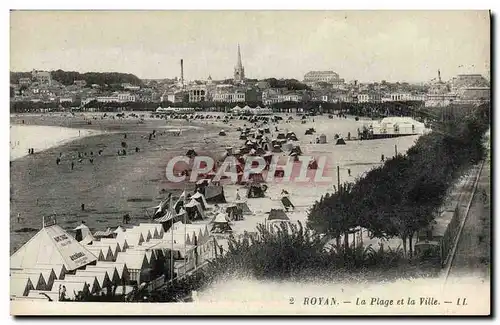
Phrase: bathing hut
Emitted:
{"points": [[20, 287], [94, 286], [214, 193], [101, 276], [322, 138], [36, 278], [81, 288], [277, 215], [243, 206], [340, 141], [194, 210], [137, 265]]}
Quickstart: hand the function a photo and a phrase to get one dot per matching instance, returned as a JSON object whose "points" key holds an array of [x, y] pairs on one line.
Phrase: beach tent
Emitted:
{"points": [[101, 276], [52, 245], [136, 264], [146, 233], [121, 244], [201, 199], [291, 136], [278, 215], [81, 288], [340, 141], [121, 269], [105, 247], [234, 212], [220, 223], [309, 132], [59, 269], [194, 210], [222, 132], [111, 272], [48, 275], [82, 231], [256, 190], [118, 230], [103, 253], [132, 238], [155, 228], [20, 287], [36, 278], [214, 193], [243, 206], [91, 280]]}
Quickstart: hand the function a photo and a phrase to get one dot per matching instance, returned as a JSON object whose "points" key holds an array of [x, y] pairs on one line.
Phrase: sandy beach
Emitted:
{"points": [[114, 185]]}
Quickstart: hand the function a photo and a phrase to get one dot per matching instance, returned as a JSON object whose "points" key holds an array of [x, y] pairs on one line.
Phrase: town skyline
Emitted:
{"points": [[357, 45]]}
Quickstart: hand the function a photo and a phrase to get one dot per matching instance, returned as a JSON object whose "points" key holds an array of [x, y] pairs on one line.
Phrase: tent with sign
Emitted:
{"points": [[52, 245]]}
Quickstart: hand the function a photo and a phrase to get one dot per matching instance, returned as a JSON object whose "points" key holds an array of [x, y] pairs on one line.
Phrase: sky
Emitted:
{"points": [[359, 45]]}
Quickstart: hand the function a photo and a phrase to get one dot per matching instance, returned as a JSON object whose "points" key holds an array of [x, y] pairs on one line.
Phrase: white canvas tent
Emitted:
{"points": [[156, 229], [121, 242], [20, 287], [121, 268], [52, 245], [136, 264], [132, 238], [146, 234], [91, 280], [103, 252], [113, 248], [101, 276], [48, 274], [36, 279], [200, 197], [111, 271], [59, 269]]}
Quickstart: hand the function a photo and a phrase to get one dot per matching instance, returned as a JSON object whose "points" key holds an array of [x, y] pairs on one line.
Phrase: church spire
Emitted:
{"points": [[239, 71], [239, 64]]}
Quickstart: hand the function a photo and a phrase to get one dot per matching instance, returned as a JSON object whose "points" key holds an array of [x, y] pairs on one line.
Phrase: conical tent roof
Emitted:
{"points": [[220, 218], [52, 245]]}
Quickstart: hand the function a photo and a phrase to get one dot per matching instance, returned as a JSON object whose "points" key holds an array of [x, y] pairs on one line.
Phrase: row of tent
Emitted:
{"points": [[255, 111], [44, 265]]}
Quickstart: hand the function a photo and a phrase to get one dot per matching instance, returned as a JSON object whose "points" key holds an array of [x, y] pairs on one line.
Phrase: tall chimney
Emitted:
{"points": [[182, 73]]}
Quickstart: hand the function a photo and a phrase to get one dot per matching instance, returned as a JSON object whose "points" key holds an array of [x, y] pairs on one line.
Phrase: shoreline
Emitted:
{"points": [[21, 151]]}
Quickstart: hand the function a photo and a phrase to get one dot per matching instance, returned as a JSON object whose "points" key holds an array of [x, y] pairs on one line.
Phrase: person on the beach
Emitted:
{"points": [[18, 217], [72, 165], [125, 136], [83, 207], [91, 160], [238, 195], [100, 152], [382, 158], [136, 149], [349, 171], [91, 153], [58, 160]]}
